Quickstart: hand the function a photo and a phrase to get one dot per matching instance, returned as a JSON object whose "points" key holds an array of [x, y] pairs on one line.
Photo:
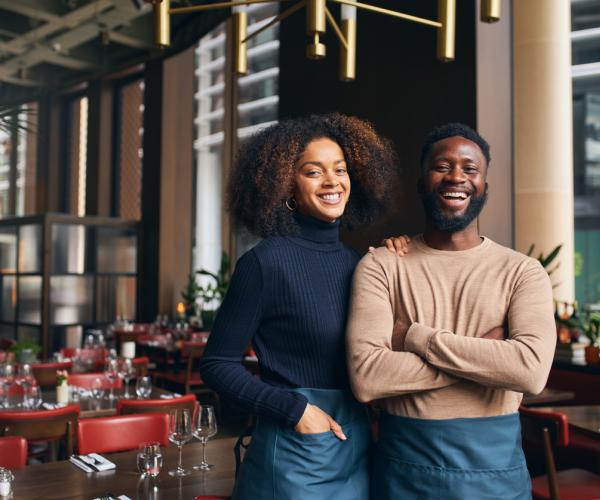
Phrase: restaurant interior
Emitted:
{"points": [[119, 125]]}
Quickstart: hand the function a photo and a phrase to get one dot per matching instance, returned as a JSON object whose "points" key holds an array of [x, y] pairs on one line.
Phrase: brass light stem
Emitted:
{"points": [[315, 26], [162, 24], [336, 28], [240, 54], [348, 52], [286, 13], [219, 5], [388, 12], [490, 10], [445, 36]]}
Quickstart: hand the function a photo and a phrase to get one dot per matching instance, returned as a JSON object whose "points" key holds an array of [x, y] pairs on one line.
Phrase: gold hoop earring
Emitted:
{"points": [[291, 204]]}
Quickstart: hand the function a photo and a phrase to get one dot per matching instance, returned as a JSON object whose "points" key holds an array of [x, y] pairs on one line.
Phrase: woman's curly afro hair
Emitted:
{"points": [[263, 176]]}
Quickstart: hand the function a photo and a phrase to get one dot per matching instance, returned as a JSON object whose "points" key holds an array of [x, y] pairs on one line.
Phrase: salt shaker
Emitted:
{"points": [[6, 479]]}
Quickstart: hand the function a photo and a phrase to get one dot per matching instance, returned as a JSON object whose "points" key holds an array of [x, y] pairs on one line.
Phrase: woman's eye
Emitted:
{"points": [[341, 171], [312, 173]]}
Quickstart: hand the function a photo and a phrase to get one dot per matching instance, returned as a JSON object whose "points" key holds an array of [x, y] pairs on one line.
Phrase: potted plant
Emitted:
{"points": [[190, 295], [211, 295], [25, 351], [591, 330]]}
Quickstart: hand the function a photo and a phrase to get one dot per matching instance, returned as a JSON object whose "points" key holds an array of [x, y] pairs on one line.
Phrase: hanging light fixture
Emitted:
{"points": [[317, 18]]}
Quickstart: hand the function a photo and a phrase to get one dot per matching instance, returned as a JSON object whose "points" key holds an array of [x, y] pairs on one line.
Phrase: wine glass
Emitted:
{"points": [[127, 373], [180, 432], [112, 374], [33, 398], [149, 458], [143, 387], [7, 376], [205, 427], [97, 388], [24, 379]]}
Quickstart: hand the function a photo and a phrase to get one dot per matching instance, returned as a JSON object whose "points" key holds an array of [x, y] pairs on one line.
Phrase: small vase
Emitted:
{"points": [[62, 394], [592, 355]]}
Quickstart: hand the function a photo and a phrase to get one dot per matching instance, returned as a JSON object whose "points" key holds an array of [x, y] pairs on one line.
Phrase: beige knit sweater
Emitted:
{"points": [[449, 299]]}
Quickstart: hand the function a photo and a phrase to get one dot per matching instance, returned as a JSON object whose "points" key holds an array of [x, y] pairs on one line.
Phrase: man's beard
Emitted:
{"points": [[452, 224]]}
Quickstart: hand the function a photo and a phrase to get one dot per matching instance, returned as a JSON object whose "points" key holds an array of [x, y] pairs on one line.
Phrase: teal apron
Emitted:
{"points": [[282, 464], [461, 459]]}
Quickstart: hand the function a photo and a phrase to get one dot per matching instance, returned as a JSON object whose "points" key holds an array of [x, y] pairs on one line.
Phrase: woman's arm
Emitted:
{"points": [[221, 366]]}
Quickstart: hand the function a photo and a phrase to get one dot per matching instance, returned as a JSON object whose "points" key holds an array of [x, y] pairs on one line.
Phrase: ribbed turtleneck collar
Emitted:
{"points": [[316, 233]]}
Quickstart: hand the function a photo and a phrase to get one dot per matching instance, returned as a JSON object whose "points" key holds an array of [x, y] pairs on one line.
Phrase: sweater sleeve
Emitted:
{"points": [[520, 363], [376, 370], [221, 366]]}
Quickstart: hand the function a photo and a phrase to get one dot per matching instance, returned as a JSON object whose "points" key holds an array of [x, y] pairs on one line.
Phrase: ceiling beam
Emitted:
{"points": [[44, 10]]}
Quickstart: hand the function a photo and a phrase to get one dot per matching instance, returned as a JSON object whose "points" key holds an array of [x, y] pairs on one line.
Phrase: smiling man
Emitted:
{"points": [[448, 338]]}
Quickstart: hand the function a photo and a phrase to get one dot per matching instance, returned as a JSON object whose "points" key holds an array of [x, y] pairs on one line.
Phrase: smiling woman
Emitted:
{"points": [[289, 297]]}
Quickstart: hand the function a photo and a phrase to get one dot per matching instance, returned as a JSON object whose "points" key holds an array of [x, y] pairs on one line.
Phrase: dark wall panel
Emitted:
{"points": [[400, 87]]}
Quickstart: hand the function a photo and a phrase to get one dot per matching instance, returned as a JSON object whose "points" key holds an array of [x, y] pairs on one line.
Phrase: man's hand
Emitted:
{"points": [[315, 420], [395, 244], [497, 333]]}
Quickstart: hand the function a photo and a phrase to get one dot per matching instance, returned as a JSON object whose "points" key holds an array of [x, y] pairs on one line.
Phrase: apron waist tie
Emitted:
{"points": [[241, 444]]}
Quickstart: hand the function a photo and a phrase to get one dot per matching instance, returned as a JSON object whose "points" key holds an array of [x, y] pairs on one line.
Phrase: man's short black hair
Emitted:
{"points": [[453, 130]]}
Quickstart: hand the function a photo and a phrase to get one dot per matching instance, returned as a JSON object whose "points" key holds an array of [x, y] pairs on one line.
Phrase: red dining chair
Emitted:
{"points": [[550, 429], [45, 373], [121, 433], [43, 425], [85, 380], [141, 366], [13, 452], [68, 352], [129, 406]]}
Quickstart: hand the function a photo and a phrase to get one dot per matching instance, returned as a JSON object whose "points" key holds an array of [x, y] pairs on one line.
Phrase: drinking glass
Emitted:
{"points": [[205, 427], [180, 432], [33, 398], [24, 379], [112, 374], [7, 378], [143, 387], [149, 458], [97, 388], [127, 373]]}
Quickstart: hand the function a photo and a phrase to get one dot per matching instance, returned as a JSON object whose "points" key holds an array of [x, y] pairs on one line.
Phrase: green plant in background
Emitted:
{"points": [[209, 294], [546, 260], [591, 328], [15, 118], [26, 351]]}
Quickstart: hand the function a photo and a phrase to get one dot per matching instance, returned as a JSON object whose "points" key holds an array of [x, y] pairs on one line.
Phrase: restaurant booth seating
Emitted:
{"points": [[43, 425], [129, 406], [13, 452], [121, 433], [550, 429]]}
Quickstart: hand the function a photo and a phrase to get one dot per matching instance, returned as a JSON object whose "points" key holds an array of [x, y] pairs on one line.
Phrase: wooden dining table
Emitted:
{"points": [[63, 480], [584, 418]]}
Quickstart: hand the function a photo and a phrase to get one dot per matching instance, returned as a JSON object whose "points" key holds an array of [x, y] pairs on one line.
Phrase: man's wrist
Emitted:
{"points": [[417, 339]]}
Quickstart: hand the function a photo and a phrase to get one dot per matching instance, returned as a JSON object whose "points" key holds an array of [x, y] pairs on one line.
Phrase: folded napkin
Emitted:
{"points": [[170, 396], [53, 406], [92, 462]]}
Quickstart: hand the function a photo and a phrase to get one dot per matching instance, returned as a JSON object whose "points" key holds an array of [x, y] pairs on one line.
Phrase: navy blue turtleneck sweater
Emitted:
{"points": [[289, 297]]}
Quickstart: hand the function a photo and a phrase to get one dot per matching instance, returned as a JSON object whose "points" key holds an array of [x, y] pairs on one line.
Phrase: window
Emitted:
{"points": [[18, 162], [76, 155], [129, 150], [256, 104], [586, 148]]}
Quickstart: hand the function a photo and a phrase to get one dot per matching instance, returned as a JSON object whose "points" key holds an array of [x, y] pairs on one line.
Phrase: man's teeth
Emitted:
{"points": [[452, 194], [331, 197]]}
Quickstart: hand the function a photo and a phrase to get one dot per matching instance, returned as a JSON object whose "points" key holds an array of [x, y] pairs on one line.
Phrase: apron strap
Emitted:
{"points": [[240, 444]]}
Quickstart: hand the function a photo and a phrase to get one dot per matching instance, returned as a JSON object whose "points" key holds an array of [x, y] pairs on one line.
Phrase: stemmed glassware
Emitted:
{"points": [[33, 398], [180, 432], [24, 379], [112, 374], [6, 378], [205, 427], [97, 389], [127, 373], [143, 387]]}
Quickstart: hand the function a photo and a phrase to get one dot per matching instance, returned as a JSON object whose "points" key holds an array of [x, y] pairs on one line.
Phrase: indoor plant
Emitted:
{"points": [[26, 351], [213, 292], [591, 329]]}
